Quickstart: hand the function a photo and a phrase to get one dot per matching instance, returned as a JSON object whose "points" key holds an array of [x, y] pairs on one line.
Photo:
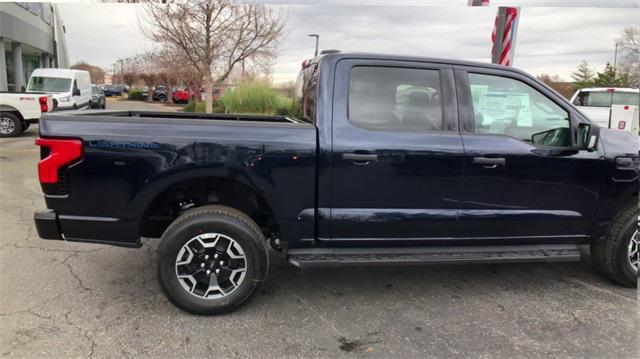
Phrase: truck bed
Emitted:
{"points": [[131, 158], [98, 114]]}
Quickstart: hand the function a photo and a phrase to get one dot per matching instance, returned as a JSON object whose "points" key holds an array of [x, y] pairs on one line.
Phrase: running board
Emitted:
{"points": [[318, 257]]}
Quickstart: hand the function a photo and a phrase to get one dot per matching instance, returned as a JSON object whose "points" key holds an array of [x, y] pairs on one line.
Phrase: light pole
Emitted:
{"points": [[615, 60], [317, 41]]}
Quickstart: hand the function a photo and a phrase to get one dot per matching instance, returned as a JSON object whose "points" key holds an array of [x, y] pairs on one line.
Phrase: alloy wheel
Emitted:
{"points": [[633, 252], [211, 266]]}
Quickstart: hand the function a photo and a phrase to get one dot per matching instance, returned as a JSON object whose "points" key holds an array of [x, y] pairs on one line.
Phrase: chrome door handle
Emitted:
{"points": [[360, 158], [489, 162]]}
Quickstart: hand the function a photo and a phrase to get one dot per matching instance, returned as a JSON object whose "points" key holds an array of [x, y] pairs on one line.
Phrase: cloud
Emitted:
{"points": [[550, 40]]}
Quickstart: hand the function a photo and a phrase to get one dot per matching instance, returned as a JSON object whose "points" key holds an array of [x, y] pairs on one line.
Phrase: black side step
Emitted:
{"points": [[315, 257]]}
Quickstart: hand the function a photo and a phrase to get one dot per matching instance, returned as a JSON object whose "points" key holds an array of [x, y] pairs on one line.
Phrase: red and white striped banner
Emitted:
{"points": [[508, 36]]}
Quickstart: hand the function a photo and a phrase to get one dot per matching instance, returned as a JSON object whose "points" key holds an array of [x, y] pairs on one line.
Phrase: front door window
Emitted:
{"points": [[506, 106]]}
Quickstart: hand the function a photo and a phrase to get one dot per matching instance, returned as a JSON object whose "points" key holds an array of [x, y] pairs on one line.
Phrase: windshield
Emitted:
{"points": [[94, 90], [49, 84], [606, 99]]}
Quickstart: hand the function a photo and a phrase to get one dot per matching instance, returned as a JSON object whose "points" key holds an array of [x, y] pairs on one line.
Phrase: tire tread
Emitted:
{"points": [[218, 210], [604, 252]]}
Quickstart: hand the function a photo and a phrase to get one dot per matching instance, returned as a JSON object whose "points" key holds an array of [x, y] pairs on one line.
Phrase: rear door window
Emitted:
{"points": [[606, 98], [395, 99]]}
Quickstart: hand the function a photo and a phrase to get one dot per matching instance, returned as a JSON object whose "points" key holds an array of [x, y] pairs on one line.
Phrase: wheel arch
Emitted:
{"points": [[11, 109], [161, 198]]}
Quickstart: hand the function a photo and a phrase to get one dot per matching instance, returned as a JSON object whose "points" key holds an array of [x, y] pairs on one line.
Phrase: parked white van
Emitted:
{"points": [[71, 89]]}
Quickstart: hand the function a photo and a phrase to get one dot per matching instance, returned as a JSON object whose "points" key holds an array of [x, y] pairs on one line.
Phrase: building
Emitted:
{"points": [[32, 35]]}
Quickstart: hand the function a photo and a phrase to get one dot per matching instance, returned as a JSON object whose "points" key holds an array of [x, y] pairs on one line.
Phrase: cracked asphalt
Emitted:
{"points": [[60, 300]]}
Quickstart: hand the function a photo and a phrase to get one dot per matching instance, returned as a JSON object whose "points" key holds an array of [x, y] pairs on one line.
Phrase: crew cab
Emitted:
{"points": [[18, 110], [392, 160]]}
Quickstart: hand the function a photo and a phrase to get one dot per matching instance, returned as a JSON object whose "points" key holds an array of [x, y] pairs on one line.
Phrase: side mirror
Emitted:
{"points": [[76, 92], [557, 137], [587, 136]]}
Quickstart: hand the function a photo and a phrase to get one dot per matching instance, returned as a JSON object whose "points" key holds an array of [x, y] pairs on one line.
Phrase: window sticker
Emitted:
{"points": [[503, 106]]}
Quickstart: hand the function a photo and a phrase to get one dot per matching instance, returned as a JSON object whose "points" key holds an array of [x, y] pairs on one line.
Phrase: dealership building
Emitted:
{"points": [[32, 36]]}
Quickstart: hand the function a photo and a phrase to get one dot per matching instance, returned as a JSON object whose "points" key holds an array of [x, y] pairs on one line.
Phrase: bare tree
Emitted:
{"points": [[214, 36], [96, 73], [130, 68], [629, 47]]}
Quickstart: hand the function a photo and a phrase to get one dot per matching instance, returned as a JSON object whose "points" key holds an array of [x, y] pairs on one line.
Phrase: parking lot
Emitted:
{"points": [[81, 300]]}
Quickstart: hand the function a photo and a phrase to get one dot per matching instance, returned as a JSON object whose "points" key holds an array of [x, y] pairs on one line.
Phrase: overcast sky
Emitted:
{"points": [[550, 40]]}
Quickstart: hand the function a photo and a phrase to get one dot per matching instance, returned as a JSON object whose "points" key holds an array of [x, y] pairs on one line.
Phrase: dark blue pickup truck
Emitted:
{"points": [[392, 160]]}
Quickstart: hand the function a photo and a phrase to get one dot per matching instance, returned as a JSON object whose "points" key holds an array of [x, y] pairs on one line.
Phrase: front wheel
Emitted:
{"points": [[618, 255], [212, 260]]}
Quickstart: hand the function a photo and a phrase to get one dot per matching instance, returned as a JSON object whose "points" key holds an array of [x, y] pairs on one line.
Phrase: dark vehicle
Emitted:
{"points": [[393, 160], [113, 90], [160, 93], [98, 99]]}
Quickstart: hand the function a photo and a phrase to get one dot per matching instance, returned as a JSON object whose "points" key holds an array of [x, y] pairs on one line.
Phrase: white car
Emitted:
{"points": [[609, 107], [18, 110], [71, 89]]}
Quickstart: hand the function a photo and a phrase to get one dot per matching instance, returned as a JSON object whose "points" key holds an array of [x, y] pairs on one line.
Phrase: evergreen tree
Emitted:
{"points": [[608, 78], [583, 76]]}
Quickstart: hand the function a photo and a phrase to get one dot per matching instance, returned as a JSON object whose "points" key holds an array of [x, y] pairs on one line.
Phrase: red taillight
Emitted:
{"points": [[61, 152], [44, 107]]}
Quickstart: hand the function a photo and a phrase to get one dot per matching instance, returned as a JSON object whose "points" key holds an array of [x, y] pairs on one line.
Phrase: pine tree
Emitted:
{"points": [[608, 78], [583, 77]]}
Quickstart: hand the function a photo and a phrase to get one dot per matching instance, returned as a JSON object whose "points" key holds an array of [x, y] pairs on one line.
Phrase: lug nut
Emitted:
{"points": [[216, 256], [206, 256], [218, 271], [221, 263], [201, 265], [208, 272]]}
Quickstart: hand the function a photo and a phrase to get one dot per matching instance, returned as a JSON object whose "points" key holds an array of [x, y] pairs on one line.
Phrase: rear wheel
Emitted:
{"points": [[10, 124], [212, 260], [618, 255], [26, 126]]}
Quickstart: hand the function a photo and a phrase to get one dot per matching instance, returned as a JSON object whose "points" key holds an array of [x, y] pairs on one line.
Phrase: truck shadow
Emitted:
{"points": [[455, 281]]}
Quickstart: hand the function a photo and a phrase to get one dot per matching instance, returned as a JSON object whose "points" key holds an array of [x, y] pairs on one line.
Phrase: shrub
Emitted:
{"points": [[135, 94], [257, 98], [218, 107], [192, 106], [252, 98]]}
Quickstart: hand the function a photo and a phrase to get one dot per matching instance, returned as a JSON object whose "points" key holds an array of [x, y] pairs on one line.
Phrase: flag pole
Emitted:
{"points": [[514, 32], [498, 43]]}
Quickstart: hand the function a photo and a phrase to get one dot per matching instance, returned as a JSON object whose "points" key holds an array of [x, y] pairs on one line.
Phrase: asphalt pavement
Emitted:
{"points": [[60, 300]]}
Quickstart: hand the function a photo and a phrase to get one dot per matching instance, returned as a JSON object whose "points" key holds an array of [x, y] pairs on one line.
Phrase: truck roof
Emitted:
{"points": [[609, 89], [375, 56], [51, 72]]}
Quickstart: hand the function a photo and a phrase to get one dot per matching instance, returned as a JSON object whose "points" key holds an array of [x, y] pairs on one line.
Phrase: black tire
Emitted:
{"points": [[11, 123], [104, 105], [26, 126], [610, 255], [213, 219]]}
